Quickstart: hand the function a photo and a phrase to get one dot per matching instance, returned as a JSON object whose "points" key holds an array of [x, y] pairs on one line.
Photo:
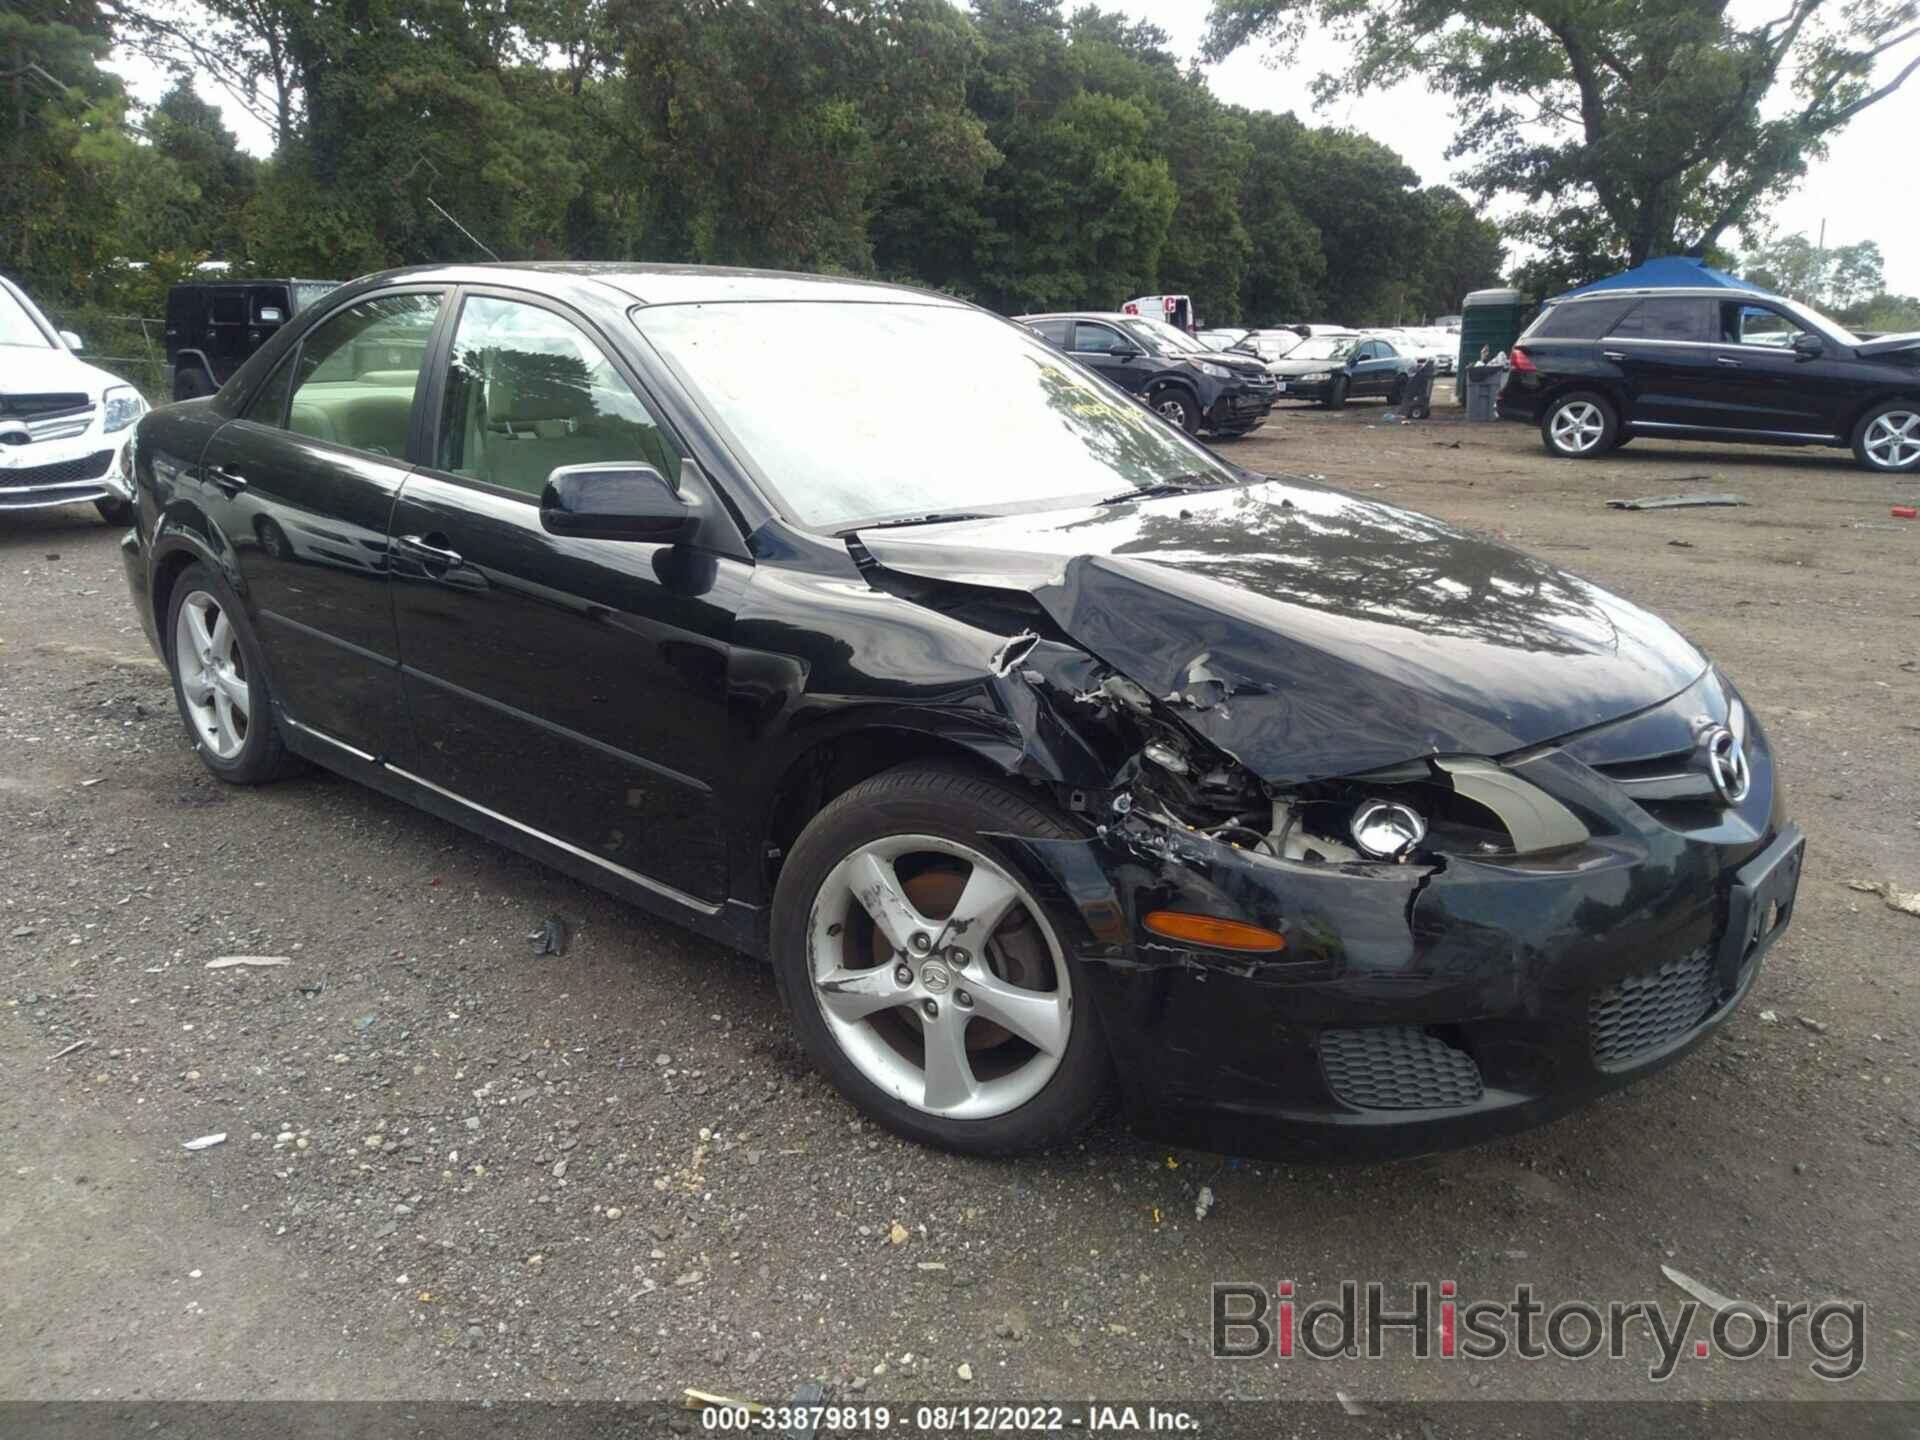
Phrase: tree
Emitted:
{"points": [[1463, 253], [1835, 279], [1632, 128]]}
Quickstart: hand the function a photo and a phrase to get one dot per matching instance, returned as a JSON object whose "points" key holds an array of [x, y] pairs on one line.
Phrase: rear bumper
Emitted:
{"points": [[1520, 398]]}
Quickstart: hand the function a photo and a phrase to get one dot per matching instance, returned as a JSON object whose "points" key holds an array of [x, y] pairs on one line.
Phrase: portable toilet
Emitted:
{"points": [[1493, 318]]}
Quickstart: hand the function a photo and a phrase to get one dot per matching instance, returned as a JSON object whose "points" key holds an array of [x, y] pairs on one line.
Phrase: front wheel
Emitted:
{"points": [[924, 976], [1579, 426], [1887, 438], [1337, 393], [114, 511], [1176, 409]]}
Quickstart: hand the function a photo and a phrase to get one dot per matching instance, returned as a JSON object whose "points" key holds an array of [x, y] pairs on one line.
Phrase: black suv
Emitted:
{"points": [[212, 326], [1595, 370], [1179, 378]]}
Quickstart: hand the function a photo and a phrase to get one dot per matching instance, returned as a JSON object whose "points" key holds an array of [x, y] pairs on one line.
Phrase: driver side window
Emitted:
{"points": [[528, 392]]}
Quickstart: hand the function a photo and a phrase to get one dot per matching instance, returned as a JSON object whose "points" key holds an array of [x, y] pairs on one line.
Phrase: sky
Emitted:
{"points": [[1863, 190]]}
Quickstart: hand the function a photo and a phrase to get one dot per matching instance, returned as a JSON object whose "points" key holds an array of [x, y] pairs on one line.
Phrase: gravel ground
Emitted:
{"points": [[454, 1168]]}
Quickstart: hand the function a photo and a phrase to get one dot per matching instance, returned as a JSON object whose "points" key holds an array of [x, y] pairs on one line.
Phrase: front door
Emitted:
{"points": [[576, 688], [302, 485], [1116, 356], [1375, 367], [1765, 386]]}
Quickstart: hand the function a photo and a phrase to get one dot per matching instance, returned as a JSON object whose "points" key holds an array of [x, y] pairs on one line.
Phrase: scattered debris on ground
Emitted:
{"points": [[552, 938], [1678, 502], [205, 1142], [258, 962]]}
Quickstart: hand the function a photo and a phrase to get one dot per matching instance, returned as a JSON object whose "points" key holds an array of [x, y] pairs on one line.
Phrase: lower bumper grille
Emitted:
{"points": [[61, 472], [1644, 1014], [1397, 1067]]}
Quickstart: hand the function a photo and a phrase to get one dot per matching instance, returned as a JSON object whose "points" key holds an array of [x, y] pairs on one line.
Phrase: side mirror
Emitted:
{"points": [[1124, 352], [1808, 347], [72, 341], [614, 502]]}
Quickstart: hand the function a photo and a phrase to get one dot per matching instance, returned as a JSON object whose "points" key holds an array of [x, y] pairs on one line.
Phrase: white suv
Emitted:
{"points": [[63, 422]]}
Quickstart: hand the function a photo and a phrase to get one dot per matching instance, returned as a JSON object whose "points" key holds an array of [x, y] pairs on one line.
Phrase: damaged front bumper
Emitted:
{"points": [[1422, 1007]]}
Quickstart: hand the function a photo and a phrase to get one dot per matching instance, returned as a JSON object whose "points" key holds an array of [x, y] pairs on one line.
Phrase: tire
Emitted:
{"points": [[1579, 426], [1887, 439], [235, 737], [1337, 393], [1398, 392], [926, 831], [1176, 408], [191, 383], [118, 513]]}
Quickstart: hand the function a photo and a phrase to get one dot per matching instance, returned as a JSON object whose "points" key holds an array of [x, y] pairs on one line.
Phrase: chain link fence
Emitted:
{"points": [[134, 347]]}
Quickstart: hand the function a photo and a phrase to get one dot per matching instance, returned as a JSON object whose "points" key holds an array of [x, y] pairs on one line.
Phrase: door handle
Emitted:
{"points": [[417, 547], [1727, 360], [228, 482], [1613, 354]]}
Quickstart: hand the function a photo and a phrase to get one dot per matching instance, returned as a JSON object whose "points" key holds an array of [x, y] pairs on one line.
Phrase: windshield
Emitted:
{"points": [[17, 327], [1320, 349], [852, 413], [1161, 338], [1275, 347]]}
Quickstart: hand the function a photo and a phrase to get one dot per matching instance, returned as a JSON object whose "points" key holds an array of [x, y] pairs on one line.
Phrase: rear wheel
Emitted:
{"points": [[220, 683], [1887, 438], [1176, 408], [924, 976], [1579, 426]]}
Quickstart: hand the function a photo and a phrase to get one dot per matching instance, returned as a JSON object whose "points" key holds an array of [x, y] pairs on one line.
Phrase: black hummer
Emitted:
{"points": [[214, 325]]}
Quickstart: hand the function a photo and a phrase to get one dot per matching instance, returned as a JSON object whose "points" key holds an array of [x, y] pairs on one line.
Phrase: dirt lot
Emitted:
{"points": [[453, 1168]]}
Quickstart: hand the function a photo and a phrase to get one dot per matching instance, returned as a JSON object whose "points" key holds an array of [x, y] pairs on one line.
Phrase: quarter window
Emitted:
{"points": [[354, 379], [528, 392], [269, 403], [1667, 318]]}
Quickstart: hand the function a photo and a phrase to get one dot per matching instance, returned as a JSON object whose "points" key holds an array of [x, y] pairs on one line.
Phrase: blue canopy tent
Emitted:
{"points": [[1663, 273]]}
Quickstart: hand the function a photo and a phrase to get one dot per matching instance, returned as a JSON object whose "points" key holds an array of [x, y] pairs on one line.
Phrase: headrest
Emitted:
{"points": [[524, 389]]}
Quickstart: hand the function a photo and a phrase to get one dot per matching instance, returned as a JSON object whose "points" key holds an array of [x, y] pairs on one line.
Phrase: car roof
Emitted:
{"points": [[1676, 292], [683, 284], [1083, 315]]}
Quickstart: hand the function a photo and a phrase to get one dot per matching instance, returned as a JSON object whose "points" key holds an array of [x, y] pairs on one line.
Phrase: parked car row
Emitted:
{"points": [[1201, 390]]}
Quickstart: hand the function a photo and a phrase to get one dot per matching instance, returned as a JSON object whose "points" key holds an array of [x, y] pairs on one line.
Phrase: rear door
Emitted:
{"points": [[302, 486], [576, 688], [1663, 348]]}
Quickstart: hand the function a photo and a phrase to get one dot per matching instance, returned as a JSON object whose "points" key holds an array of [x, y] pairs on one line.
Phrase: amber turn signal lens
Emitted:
{"points": [[1211, 930]]}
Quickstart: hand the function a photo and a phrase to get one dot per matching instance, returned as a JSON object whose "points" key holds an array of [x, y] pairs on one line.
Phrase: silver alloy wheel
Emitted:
{"points": [[939, 1011], [1892, 441], [1173, 408], [1577, 427], [213, 676]]}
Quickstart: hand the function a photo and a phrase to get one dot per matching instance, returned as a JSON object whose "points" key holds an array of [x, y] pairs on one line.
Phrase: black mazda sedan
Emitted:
{"points": [[1042, 752]]}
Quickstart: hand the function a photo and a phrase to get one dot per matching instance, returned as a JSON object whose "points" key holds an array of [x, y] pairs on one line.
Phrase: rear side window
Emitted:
{"points": [[1579, 320], [1663, 318], [1054, 330], [354, 380], [229, 310]]}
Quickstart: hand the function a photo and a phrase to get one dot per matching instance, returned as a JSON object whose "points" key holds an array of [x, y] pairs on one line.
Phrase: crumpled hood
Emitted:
{"points": [[1308, 633], [34, 370], [1890, 344]]}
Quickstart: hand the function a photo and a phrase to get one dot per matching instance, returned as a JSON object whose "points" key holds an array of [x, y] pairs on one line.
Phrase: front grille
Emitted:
{"points": [[1397, 1067], [40, 407], [61, 472], [1643, 1014]]}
